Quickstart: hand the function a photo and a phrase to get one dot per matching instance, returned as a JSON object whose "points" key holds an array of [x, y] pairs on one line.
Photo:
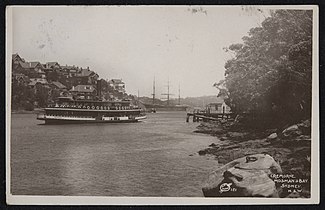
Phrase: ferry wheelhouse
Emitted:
{"points": [[67, 110]]}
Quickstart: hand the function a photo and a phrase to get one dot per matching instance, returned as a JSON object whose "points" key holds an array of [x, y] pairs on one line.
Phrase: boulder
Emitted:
{"points": [[252, 184], [223, 138], [213, 145], [272, 136], [303, 138], [292, 131], [246, 176], [305, 127]]}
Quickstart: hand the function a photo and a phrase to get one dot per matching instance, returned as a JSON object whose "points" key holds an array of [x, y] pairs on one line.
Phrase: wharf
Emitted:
{"points": [[208, 116]]}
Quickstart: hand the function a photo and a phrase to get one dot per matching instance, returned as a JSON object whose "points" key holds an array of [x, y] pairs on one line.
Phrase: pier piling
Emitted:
{"points": [[206, 117]]}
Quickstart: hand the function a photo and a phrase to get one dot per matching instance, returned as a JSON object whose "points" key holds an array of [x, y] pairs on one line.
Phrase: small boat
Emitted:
{"points": [[67, 110]]}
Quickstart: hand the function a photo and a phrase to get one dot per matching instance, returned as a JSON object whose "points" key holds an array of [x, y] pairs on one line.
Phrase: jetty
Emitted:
{"points": [[213, 112], [205, 117]]}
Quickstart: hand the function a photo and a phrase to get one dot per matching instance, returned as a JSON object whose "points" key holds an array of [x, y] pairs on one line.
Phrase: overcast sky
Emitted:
{"points": [[184, 44]]}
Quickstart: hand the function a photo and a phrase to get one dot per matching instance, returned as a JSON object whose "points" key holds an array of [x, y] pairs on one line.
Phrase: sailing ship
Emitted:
{"points": [[153, 107]]}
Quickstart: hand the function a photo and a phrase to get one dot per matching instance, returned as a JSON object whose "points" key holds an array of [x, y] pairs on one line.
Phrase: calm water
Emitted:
{"points": [[157, 157]]}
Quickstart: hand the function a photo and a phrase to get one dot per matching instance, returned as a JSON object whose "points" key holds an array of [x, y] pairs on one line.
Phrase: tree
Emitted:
{"points": [[52, 76], [271, 72], [42, 95], [22, 96]]}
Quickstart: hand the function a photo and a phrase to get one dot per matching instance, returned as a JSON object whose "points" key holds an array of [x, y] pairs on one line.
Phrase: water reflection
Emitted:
{"points": [[138, 159]]}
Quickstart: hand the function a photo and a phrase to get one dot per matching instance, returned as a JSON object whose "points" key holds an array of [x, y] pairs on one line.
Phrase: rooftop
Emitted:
{"points": [[218, 100], [51, 64], [33, 64], [70, 67], [27, 65], [34, 81], [85, 72], [59, 85], [117, 81]]}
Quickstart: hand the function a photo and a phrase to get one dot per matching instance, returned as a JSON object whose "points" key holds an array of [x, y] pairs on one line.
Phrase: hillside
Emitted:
{"points": [[200, 101]]}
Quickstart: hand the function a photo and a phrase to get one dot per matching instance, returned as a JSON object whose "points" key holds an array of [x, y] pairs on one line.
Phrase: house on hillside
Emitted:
{"points": [[34, 81], [58, 89], [91, 76], [87, 92], [117, 84], [80, 76], [30, 69], [16, 59], [39, 84], [20, 78], [51, 66], [17, 63], [69, 71], [218, 107], [58, 85]]}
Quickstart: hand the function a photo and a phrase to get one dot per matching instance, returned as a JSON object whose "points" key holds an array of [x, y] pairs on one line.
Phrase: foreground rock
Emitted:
{"points": [[303, 128], [291, 148], [292, 131], [244, 177], [272, 136]]}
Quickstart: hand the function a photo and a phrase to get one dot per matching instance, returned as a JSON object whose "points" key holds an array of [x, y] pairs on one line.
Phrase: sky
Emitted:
{"points": [[182, 44]]}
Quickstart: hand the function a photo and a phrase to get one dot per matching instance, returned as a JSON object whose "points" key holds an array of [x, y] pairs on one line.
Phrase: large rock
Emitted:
{"points": [[272, 136], [292, 131], [246, 176], [305, 127]]}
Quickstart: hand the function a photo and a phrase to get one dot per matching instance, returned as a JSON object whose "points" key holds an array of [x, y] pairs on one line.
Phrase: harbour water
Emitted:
{"points": [[157, 157]]}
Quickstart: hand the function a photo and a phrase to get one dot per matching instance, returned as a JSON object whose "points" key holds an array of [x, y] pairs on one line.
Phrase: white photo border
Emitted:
{"points": [[101, 200]]}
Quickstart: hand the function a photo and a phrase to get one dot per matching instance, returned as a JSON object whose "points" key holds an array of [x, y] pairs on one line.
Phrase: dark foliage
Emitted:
{"points": [[270, 76]]}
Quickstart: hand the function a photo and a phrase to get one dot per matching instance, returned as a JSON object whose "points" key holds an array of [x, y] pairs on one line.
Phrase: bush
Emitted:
{"points": [[270, 74], [29, 106]]}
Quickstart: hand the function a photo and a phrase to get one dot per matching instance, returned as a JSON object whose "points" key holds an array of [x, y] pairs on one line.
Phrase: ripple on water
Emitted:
{"points": [[138, 159]]}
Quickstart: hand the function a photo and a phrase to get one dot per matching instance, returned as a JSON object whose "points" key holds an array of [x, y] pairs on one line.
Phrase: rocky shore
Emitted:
{"points": [[290, 148]]}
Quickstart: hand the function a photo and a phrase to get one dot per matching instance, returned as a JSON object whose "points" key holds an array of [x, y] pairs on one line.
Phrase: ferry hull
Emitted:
{"points": [[68, 121]]}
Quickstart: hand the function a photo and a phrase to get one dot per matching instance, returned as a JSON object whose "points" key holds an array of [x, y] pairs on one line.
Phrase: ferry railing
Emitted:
{"points": [[93, 107]]}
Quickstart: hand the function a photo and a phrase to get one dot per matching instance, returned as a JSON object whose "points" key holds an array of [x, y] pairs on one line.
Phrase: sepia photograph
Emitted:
{"points": [[162, 105]]}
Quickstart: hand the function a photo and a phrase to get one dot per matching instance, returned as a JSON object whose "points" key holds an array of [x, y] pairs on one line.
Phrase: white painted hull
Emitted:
{"points": [[71, 119]]}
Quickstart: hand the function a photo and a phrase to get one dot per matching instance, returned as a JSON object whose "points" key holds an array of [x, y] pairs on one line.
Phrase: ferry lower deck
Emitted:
{"points": [[51, 119], [63, 116]]}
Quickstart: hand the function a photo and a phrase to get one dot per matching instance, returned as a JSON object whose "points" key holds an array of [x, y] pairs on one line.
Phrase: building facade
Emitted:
{"points": [[84, 92], [117, 84]]}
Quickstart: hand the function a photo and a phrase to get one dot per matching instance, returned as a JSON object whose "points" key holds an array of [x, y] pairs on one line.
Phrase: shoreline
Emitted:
{"points": [[292, 153], [35, 111]]}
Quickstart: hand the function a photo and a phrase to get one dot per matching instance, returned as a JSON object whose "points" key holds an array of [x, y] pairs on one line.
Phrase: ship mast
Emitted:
{"points": [[153, 91], [167, 94], [179, 94]]}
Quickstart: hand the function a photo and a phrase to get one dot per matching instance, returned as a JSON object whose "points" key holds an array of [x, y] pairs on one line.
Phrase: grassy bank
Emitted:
{"points": [[292, 152]]}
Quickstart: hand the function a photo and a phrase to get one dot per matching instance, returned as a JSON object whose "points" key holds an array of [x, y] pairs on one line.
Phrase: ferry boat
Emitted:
{"points": [[67, 110]]}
